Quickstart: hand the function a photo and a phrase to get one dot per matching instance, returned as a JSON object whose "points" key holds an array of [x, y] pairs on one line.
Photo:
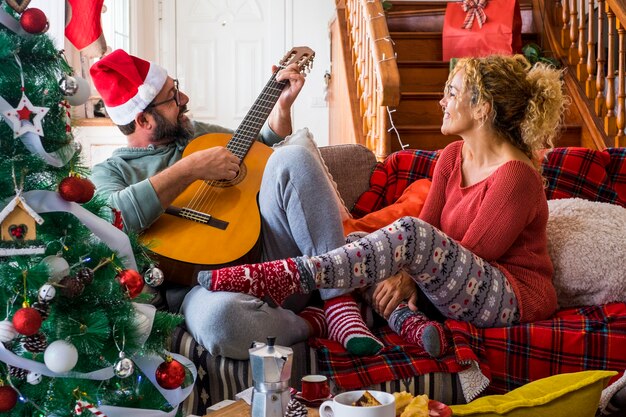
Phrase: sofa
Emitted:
{"points": [[482, 361]]}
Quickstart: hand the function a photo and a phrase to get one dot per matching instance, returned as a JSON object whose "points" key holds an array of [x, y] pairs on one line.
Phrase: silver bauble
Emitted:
{"points": [[57, 267], [124, 367], [82, 93], [47, 292], [7, 331], [33, 378], [68, 85], [154, 276]]}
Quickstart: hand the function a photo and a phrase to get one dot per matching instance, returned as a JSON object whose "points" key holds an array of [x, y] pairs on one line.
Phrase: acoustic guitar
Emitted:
{"points": [[217, 223]]}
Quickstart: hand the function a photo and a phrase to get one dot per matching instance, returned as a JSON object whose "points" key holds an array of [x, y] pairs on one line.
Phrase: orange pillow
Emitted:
{"points": [[410, 203]]}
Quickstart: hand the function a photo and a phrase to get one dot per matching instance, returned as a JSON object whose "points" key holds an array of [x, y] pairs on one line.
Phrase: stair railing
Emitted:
{"points": [[590, 36], [375, 69]]}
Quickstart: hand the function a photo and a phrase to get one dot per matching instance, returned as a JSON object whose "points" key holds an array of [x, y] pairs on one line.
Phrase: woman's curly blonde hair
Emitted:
{"points": [[527, 101]]}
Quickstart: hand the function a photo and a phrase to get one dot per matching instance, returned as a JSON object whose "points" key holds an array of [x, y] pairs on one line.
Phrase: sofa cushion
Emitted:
{"points": [[586, 240], [564, 395]]}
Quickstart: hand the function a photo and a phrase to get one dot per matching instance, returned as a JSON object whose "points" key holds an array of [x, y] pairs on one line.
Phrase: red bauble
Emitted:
{"points": [[8, 398], [77, 189], [170, 374], [34, 21], [132, 280], [27, 321]]}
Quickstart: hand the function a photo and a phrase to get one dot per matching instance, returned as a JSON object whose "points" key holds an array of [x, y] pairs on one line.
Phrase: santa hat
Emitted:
{"points": [[127, 84]]}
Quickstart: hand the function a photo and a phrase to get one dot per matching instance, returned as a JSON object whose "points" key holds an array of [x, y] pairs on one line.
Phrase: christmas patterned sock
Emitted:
{"points": [[316, 319], [346, 326], [274, 279], [416, 328]]}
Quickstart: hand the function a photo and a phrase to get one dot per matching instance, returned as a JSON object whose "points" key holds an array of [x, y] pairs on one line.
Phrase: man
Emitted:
{"points": [[299, 212]]}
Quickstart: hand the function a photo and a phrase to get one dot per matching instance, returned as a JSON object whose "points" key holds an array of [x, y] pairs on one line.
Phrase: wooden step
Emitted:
{"points": [[418, 108], [427, 46], [429, 137], [423, 76]]}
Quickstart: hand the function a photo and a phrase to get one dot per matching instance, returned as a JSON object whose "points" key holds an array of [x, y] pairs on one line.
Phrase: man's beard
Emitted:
{"points": [[167, 132]]}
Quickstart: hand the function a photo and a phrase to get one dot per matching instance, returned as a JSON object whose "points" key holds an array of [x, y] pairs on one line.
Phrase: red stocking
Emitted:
{"points": [[84, 28]]}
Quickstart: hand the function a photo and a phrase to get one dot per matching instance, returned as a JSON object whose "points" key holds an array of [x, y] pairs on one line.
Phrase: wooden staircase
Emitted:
{"points": [[415, 31]]}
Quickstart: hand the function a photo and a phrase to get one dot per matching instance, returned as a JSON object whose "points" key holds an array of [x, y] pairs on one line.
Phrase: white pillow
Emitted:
{"points": [[303, 137], [586, 241]]}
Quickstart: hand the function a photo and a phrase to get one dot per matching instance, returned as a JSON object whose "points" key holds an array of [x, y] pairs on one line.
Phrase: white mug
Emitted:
{"points": [[341, 405]]}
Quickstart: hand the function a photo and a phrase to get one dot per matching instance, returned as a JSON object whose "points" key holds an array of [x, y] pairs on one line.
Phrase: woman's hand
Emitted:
{"points": [[391, 292]]}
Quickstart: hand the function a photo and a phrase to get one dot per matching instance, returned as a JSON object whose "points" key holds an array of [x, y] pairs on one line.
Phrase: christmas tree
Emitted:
{"points": [[77, 332]]}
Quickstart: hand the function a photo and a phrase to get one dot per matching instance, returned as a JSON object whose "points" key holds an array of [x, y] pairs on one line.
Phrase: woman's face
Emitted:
{"points": [[457, 113]]}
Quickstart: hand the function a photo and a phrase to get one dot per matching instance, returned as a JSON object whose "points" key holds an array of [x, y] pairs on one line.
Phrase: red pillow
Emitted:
{"points": [[410, 203]]}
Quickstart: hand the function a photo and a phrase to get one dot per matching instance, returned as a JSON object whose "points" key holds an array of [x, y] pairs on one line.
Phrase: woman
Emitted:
{"points": [[478, 250]]}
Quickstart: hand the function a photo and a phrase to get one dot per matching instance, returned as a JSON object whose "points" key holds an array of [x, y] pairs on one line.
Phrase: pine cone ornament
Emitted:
{"points": [[17, 373], [296, 409], [85, 275], [72, 287], [43, 308], [36, 343]]}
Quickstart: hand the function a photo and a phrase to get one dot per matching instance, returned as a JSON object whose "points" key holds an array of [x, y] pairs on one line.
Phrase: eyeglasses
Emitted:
{"points": [[176, 97]]}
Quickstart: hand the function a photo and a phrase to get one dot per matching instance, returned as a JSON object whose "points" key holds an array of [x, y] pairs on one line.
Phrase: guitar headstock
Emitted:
{"points": [[301, 55]]}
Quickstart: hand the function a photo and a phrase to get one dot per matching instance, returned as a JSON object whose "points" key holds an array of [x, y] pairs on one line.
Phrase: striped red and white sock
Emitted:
{"points": [[346, 326], [416, 328], [316, 320]]}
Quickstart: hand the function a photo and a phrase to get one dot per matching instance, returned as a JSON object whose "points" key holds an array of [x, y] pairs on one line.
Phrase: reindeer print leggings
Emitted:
{"points": [[460, 284]]}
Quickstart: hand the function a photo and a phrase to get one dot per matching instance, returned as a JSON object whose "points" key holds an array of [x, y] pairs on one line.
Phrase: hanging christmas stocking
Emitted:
{"points": [[84, 28]]}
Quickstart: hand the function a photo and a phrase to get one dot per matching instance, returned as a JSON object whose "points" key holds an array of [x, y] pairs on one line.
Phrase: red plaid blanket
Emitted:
{"points": [[398, 360], [574, 340]]}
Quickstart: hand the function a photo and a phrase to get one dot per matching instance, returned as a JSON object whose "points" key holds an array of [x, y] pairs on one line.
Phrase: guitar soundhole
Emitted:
{"points": [[243, 171]]}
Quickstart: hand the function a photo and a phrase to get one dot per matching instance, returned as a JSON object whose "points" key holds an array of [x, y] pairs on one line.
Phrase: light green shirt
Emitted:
{"points": [[123, 179]]}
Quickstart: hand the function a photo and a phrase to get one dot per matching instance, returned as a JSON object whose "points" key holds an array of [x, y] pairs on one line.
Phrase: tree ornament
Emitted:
{"points": [[81, 91], [68, 85], [17, 373], [7, 331], [77, 189], [60, 356], [142, 324], [8, 398], [34, 21], [71, 287], [43, 308], [47, 292], [85, 275], [33, 378], [36, 343], [25, 117], [170, 374], [124, 367], [132, 281], [154, 276], [57, 267], [27, 321]]}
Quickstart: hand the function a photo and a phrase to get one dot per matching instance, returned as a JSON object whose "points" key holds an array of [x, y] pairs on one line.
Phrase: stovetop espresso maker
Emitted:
{"points": [[271, 371]]}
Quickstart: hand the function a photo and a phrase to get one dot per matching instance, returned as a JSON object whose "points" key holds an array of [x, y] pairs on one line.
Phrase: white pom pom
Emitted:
{"points": [[147, 92]]}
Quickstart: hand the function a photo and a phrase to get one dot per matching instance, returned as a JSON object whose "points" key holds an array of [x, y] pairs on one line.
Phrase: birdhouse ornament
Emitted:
{"points": [[18, 225]]}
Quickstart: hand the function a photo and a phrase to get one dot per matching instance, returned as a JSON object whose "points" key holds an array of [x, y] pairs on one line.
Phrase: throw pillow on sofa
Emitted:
{"points": [[586, 241], [565, 395]]}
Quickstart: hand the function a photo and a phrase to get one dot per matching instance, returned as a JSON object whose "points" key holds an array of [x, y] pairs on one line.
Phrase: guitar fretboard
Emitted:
{"points": [[249, 129]]}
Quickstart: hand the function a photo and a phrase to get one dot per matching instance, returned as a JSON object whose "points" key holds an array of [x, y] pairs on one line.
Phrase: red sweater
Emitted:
{"points": [[503, 220]]}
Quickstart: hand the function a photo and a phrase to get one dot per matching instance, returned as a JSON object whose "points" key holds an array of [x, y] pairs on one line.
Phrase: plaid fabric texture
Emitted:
{"points": [[398, 360], [574, 340]]}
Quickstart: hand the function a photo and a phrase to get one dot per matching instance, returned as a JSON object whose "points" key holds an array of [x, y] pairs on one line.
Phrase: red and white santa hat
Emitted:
{"points": [[127, 84]]}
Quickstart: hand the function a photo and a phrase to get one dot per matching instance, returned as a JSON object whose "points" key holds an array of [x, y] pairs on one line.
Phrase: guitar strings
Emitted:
{"points": [[208, 192]]}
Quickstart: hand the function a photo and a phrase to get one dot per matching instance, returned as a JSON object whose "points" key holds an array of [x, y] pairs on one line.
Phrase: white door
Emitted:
{"points": [[224, 54]]}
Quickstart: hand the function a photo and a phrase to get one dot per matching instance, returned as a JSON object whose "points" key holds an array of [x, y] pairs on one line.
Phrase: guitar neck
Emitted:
{"points": [[249, 129]]}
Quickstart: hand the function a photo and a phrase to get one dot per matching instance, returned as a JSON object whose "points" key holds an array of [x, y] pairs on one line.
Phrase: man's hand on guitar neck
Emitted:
{"points": [[216, 163], [280, 118]]}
